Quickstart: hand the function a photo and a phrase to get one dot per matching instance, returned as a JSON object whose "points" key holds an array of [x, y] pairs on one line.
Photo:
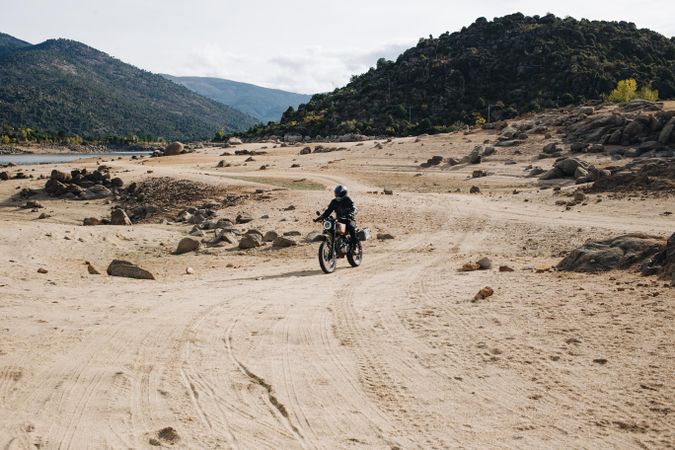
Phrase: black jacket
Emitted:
{"points": [[344, 208]]}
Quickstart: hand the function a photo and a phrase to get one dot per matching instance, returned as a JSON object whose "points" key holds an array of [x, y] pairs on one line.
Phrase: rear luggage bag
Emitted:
{"points": [[363, 234]]}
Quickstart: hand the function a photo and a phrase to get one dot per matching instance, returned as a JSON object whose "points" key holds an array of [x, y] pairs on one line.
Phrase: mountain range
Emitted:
{"points": [[262, 103], [507, 66], [63, 87]]}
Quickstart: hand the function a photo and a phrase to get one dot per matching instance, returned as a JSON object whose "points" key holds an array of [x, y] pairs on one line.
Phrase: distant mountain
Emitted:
{"points": [[262, 103], [510, 65], [8, 42], [63, 86]]}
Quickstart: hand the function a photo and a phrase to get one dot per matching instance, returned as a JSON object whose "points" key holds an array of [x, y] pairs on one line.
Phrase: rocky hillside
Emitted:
{"points": [[264, 104], [508, 66], [64, 87]]}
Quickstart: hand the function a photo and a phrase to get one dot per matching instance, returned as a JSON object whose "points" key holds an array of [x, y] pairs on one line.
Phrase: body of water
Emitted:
{"points": [[55, 158]]}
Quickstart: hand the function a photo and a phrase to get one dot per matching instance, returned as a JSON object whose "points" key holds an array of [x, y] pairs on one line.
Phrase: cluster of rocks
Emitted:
{"points": [[644, 174], [9, 150], [474, 157], [650, 254], [516, 133], [292, 139], [5, 176], [168, 198], [320, 149], [566, 167], [626, 126], [82, 184]]}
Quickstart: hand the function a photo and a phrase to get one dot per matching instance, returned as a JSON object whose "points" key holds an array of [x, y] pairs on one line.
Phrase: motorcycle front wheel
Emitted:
{"points": [[355, 256], [327, 258]]}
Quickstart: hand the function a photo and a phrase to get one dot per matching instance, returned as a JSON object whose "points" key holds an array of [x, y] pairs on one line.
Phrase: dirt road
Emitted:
{"points": [[271, 353]]}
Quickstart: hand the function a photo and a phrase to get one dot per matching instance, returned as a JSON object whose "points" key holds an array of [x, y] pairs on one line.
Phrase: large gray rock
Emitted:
{"points": [[250, 241], [121, 268], [270, 236], [174, 148], [186, 245], [283, 242], [616, 253], [95, 192], [667, 131], [119, 217]]}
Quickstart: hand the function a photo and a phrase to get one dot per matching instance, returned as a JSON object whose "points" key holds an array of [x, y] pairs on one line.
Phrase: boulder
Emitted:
{"points": [[631, 130], [474, 157], [174, 148], [667, 131], [55, 187], [620, 252], [474, 190], [283, 242], [250, 241], [484, 263], [551, 148], [384, 236], [242, 219], [663, 262], [483, 293], [60, 176], [223, 235], [470, 267], [91, 221], [4, 176], [306, 151], [234, 141], [186, 245], [121, 268], [95, 192], [119, 217], [615, 138], [578, 147], [270, 236]]}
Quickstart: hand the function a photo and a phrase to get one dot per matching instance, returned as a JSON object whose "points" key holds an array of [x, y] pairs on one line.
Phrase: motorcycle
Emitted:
{"points": [[337, 244]]}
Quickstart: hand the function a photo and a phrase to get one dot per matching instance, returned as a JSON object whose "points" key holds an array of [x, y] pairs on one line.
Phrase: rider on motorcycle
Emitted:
{"points": [[344, 210]]}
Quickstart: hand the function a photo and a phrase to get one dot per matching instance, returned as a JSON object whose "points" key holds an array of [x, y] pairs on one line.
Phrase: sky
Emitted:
{"points": [[297, 45]]}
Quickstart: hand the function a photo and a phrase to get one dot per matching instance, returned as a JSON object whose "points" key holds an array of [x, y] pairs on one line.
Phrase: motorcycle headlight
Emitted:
{"points": [[327, 225]]}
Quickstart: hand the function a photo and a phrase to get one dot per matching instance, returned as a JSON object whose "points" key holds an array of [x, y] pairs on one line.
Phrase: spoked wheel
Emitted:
{"points": [[327, 258], [356, 255]]}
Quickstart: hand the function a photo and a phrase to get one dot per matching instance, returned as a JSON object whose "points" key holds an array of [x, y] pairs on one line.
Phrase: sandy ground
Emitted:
{"points": [[260, 349]]}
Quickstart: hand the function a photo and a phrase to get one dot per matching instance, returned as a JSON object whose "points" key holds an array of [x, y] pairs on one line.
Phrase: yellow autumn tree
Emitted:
{"points": [[626, 90]]}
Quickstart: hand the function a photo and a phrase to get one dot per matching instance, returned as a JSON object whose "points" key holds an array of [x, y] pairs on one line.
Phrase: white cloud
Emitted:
{"points": [[300, 45], [308, 70]]}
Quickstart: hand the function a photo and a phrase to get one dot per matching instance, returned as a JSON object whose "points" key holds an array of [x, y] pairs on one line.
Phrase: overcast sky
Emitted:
{"points": [[304, 46]]}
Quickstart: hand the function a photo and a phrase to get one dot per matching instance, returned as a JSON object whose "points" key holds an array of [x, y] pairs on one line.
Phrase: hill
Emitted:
{"points": [[8, 42], [65, 87], [510, 65], [262, 103]]}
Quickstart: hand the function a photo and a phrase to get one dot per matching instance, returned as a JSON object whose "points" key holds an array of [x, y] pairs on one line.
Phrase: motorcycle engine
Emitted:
{"points": [[342, 245]]}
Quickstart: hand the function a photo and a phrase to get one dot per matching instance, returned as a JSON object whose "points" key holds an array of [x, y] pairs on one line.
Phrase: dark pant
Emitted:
{"points": [[351, 228]]}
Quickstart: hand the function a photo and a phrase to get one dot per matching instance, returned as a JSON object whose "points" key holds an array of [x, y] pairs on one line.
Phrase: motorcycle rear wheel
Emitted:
{"points": [[355, 256], [326, 261]]}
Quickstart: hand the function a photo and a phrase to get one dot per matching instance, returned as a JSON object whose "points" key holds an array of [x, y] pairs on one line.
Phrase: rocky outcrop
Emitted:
{"points": [[621, 252], [121, 268]]}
